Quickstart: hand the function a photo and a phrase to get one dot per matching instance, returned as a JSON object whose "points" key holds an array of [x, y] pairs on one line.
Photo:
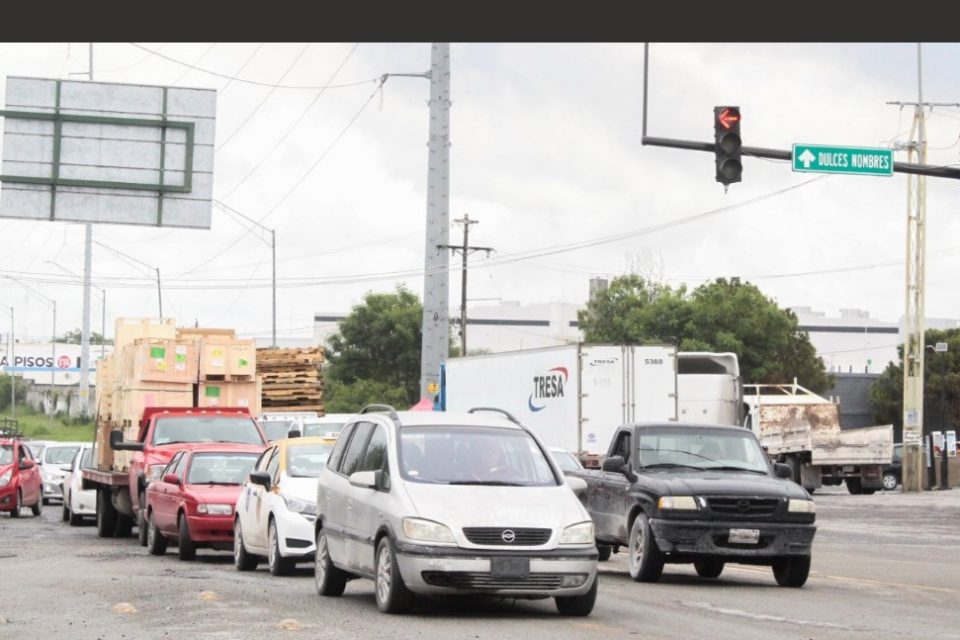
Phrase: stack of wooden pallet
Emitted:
{"points": [[291, 379]]}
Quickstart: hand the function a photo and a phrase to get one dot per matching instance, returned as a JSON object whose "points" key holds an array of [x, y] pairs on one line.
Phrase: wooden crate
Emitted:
{"points": [[218, 393], [196, 334], [133, 400], [224, 360], [129, 329], [149, 360]]}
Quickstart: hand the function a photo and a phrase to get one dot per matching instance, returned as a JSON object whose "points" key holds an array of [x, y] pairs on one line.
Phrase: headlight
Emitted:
{"points": [[215, 509], [581, 533], [155, 472], [5, 478], [801, 506], [300, 506], [677, 503], [427, 531]]}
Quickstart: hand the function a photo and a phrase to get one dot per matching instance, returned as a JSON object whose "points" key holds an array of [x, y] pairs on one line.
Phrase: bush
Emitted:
{"points": [[20, 391]]}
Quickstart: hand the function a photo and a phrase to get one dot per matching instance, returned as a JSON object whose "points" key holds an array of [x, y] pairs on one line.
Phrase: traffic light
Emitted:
{"points": [[726, 131]]}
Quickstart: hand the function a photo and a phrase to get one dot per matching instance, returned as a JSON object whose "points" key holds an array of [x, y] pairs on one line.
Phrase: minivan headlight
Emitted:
{"points": [[427, 531], [677, 503], [580, 533], [801, 506]]}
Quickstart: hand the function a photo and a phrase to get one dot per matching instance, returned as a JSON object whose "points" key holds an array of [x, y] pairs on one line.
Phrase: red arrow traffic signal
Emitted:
{"points": [[728, 117], [726, 136]]}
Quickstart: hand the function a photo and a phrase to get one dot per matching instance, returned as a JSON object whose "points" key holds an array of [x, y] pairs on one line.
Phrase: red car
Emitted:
{"points": [[193, 501], [20, 481]]}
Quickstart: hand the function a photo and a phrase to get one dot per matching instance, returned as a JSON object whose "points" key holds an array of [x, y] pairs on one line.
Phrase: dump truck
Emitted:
{"points": [[801, 429]]}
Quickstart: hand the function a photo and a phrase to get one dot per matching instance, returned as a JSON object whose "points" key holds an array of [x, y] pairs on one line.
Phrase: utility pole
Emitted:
{"points": [[85, 323], [435, 328], [11, 361], [465, 249]]}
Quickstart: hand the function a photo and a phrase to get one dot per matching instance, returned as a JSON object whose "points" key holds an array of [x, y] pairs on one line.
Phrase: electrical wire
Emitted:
{"points": [[254, 82], [242, 67], [187, 72], [133, 64]]}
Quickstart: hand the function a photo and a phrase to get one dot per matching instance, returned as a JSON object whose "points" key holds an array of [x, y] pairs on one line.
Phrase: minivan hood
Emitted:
{"points": [[459, 506], [707, 483]]}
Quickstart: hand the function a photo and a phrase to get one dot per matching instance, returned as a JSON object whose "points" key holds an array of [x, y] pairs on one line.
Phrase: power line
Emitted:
{"points": [[254, 82], [202, 56], [133, 64], [242, 67]]}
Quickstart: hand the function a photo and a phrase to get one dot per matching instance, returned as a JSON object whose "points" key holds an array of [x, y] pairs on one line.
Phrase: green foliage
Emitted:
{"points": [[723, 315], [941, 388], [379, 342], [350, 398], [39, 426], [20, 391], [75, 337]]}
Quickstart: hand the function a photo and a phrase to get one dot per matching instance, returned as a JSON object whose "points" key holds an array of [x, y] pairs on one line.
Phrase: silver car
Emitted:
{"points": [[451, 503]]}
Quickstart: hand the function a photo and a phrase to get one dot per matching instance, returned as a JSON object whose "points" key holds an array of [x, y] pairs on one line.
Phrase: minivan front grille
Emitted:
{"points": [[743, 507], [506, 536], [481, 581]]}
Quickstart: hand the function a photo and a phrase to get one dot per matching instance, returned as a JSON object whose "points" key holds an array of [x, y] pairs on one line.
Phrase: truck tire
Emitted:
{"points": [[890, 481], [279, 566], [106, 514], [868, 491], [242, 560], [794, 465], [156, 543], [142, 520], [604, 552], [124, 526], [854, 486], [644, 558], [791, 571], [578, 605], [709, 568], [186, 547], [330, 580]]}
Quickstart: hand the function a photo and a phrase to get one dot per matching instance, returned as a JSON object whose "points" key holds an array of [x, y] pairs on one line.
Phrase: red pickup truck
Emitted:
{"points": [[163, 432]]}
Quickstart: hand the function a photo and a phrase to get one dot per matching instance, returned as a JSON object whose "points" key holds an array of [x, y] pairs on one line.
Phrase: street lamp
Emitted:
{"points": [[151, 271], [10, 365], [103, 320]]}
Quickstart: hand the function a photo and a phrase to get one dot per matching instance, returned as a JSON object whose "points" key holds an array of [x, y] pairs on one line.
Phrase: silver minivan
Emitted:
{"points": [[451, 503]]}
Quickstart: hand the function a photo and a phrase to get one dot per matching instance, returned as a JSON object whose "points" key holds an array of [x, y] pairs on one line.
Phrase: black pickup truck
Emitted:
{"points": [[705, 494]]}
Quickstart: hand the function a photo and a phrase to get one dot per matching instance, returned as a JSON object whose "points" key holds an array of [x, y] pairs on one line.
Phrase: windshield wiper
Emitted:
{"points": [[492, 483], [729, 468], [669, 465]]}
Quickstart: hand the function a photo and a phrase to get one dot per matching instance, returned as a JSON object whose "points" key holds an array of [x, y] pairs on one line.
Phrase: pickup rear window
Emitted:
{"points": [[172, 430]]}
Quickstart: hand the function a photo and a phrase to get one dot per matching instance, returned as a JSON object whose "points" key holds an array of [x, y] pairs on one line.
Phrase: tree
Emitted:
{"points": [[941, 375], [723, 315], [76, 336], [379, 342], [20, 391], [350, 398]]}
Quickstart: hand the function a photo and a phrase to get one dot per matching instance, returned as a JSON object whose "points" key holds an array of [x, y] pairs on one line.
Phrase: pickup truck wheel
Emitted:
{"points": [[645, 560], [578, 605], [791, 571], [156, 543], [17, 505], [124, 526], [709, 568], [794, 465], [392, 594], [604, 551], [330, 580], [106, 515], [242, 560], [186, 548], [854, 486], [279, 566], [890, 481], [142, 521]]}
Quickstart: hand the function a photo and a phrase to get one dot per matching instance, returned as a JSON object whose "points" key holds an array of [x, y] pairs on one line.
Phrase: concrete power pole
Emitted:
{"points": [[436, 277], [85, 331], [465, 250]]}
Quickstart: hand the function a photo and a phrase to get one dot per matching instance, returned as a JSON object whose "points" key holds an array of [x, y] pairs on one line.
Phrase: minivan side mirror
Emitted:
{"points": [[261, 478], [783, 470], [614, 464], [577, 485], [364, 479]]}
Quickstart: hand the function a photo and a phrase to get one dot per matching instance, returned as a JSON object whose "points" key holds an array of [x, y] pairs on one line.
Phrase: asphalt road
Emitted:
{"points": [[885, 566]]}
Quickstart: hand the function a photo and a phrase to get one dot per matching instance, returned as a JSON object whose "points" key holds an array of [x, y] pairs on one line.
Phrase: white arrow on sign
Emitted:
{"points": [[806, 158]]}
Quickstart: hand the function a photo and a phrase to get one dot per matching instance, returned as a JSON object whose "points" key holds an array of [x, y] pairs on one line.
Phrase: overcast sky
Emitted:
{"points": [[545, 153]]}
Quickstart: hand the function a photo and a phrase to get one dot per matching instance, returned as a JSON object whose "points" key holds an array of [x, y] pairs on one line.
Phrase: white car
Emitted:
{"points": [[55, 455], [77, 501], [326, 426], [277, 507]]}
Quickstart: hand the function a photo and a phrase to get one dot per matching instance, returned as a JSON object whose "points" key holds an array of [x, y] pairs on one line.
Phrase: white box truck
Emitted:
{"points": [[573, 396]]}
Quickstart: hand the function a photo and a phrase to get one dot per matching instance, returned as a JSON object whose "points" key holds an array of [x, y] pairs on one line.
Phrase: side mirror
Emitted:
{"points": [[364, 479], [27, 464], [66, 467], [614, 464], [171, 478], [783, 470], [577, 485], [118, 444], [261, 478]]}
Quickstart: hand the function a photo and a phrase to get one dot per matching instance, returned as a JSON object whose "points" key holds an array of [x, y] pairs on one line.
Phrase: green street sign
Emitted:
{"points": [[868, 161]]}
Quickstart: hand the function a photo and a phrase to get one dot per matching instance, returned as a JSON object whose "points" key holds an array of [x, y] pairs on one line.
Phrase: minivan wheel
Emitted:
{"points": [[644, 558], [578, 605], [392, 594], [330, 580]]}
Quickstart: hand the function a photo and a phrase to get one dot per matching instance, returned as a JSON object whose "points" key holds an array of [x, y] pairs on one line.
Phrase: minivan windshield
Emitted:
{"points": [[672, 448], [206, 429], [473, 455]]}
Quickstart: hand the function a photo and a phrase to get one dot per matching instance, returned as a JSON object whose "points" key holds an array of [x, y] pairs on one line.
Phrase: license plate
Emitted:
{"points": [[509, 567], [744, 536]]}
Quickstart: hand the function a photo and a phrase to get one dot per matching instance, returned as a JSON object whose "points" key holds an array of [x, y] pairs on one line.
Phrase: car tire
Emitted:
{"points": [[644, 559], [604, 551], [156, 542], [330, 580], [791, 571], [186, 547], [854, 486], [391, 593], [578, 605], [75, 519], [890, 481], [65, 515], [709, 568], [279, 566], [43, 497], [106, 515], [242, 559], [37, 508], [17, 506], [142, 521]]}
